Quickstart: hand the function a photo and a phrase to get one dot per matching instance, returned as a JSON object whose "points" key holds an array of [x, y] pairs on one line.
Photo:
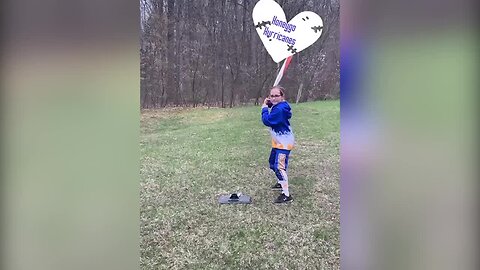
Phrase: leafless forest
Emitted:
{"points": [[207, 53]]}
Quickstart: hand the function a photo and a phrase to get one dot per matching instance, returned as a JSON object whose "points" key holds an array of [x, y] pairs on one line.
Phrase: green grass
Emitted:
{"points": [[189, 157]]}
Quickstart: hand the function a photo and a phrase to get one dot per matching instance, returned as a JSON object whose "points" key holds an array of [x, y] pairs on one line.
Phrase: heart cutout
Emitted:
{"points": [[281, 38]]}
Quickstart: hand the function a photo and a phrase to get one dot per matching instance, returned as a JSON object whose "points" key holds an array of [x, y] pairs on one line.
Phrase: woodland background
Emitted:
{"points": [[207, 53]]}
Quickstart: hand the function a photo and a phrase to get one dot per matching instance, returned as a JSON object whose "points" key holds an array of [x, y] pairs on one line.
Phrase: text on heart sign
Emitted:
{"points": [[286, 27]]}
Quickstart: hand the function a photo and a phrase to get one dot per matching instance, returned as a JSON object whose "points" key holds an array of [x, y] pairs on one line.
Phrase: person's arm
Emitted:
{"points": [[272, 118], [265, 103]]}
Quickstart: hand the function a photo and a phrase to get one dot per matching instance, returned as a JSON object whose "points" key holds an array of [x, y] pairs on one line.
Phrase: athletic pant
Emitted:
{"points": [[279, 163]]}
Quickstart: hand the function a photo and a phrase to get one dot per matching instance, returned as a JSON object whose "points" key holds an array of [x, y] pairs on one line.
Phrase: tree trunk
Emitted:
{"points": [[223, 90], [193, 84], [170, 45], [299, 93]]}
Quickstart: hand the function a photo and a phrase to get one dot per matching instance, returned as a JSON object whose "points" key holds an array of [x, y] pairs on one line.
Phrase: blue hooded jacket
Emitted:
{"points": [[278, 121]]}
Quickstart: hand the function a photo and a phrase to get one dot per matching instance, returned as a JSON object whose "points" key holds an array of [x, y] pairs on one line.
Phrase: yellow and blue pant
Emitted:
{"points": [[279, 163]]}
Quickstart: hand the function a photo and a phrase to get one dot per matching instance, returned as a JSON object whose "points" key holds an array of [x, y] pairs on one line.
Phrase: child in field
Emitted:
{"points": [[277, 118]]}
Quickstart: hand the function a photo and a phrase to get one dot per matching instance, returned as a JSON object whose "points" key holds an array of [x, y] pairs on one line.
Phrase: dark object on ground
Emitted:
{"points": [[277, 186], [235, 198], [283, 199]]}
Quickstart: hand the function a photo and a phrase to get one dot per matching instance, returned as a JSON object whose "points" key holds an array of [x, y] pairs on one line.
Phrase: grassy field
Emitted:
{"points": [[191, 156]]}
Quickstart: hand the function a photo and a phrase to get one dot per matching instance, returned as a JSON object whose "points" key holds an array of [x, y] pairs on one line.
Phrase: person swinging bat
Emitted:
{"points": [[276, 113]]}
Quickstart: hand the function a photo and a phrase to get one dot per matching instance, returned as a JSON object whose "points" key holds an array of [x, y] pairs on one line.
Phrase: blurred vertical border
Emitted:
{"points": [[70, 129], [408, 134]]}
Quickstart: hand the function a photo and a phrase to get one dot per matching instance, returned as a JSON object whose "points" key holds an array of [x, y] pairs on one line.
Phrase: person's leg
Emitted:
{"points": [[281, 166], [273, 165], [272, 159]]}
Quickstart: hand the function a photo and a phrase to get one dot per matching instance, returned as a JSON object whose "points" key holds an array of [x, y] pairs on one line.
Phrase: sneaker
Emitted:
{"points": [[283, 199], [277, 186]]}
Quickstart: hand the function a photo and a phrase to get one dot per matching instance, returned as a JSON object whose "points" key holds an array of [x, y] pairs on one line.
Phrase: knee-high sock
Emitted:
{"points": [[284, 183], [279, 176]]}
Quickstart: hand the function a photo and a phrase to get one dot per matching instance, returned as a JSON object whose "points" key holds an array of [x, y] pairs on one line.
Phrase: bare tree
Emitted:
{"points": [[210, 49]]}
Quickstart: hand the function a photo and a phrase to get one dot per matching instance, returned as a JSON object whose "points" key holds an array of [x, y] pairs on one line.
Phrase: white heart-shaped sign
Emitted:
{"points": [[281, 38]]}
